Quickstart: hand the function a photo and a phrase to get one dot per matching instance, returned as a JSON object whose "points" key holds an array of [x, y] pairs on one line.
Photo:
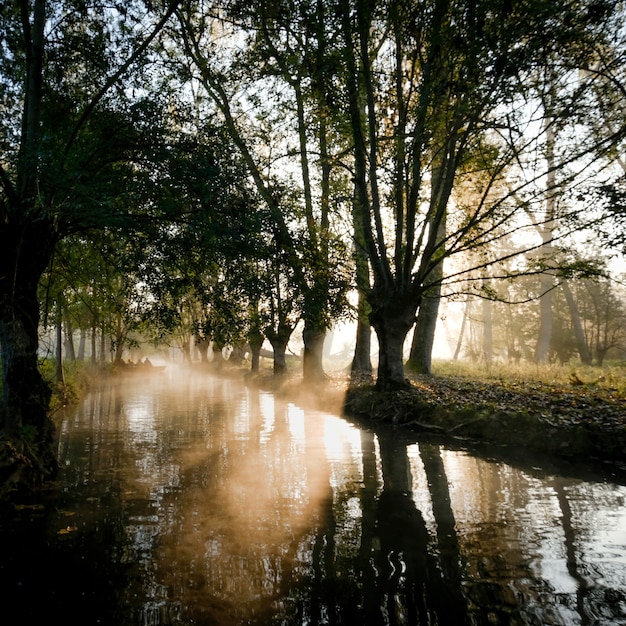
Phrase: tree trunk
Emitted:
{"points": [[362, 361], [312, 361], [255, 340], [459, 343], [70, 352], [421, 357], [279, 340], [546, 230], [238, 354], [579, 333], [280, 362], [392, 317], [94, 338], [27, 452], [103, 345], [202, 346], [218, 356], [81, 345], [542, 349], [487, 330], [60, 374]]}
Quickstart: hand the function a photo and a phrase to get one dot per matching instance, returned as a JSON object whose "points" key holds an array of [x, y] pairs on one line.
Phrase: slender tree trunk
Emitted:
{"points": [[81, 345], [60, 374], [542, 349], [579, 333], [94, 340], [421, 357], [487, 330], [68, 344], [362, 361], [202, 346], [103, 342], [459, 343], [546, 230], [255, 340]]}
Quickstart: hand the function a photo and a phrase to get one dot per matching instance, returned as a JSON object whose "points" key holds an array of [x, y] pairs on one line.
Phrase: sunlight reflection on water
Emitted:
{"points": [[223, 504]]}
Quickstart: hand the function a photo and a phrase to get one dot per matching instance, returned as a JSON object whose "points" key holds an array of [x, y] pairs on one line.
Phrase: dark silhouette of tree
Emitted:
{"points": [[69, 125]]}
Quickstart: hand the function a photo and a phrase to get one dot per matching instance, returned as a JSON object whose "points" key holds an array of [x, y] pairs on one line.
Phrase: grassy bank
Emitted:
{"points": [[571, 412]]}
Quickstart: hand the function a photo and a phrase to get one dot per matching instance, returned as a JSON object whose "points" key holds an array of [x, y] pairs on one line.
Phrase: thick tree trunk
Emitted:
{"points": [[27, 453], [237, 355], [279, 340], [392, 317], [312, 361], [218, 356], [280, 362], [202, 345]]}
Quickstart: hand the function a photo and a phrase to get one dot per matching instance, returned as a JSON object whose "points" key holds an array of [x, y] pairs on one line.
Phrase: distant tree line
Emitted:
{"points": [[218, 173]]}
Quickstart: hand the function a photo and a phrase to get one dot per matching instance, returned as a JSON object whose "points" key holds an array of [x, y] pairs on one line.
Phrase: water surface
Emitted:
{"points": [[197, 500]]}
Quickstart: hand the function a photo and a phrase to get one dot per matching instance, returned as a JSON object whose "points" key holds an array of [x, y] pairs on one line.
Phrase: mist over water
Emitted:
{"points": [[190, 499]]}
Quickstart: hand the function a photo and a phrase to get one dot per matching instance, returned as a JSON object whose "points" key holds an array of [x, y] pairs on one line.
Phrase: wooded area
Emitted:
{"points": [[221, 173]]}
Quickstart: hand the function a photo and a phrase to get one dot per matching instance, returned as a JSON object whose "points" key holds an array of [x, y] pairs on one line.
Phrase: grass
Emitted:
{"points": [[610, 378], [78, 376]]}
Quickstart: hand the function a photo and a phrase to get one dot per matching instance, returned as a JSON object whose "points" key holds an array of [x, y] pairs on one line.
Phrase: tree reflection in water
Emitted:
{"points": [[198, 501]]}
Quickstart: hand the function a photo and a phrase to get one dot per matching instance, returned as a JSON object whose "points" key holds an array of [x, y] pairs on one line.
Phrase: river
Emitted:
{"points": [[189, 499]]}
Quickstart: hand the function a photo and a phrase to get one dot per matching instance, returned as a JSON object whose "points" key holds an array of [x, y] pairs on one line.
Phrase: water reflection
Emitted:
{"points": [[194, 500]]}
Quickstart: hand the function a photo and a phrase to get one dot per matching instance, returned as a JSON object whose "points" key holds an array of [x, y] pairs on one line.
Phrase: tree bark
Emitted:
{"points": [[487, 331], [459, 343], [60, 374], [579, 333], [421, 357], [81, 345], [25, 251], [255, 341], [545, 325], [362, 360], [312, 363], [392, 317], [279, 340]]}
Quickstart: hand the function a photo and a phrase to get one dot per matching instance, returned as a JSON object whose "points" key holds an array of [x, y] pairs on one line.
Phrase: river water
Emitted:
{"points": [[197, 500]]}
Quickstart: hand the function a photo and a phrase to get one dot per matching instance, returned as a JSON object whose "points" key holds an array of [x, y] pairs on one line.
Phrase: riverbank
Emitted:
{"points": [[577, 417], [576, 421]]}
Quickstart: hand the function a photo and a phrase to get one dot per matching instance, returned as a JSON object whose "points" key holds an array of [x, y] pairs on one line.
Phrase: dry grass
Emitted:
{"points": [[611, 378]]}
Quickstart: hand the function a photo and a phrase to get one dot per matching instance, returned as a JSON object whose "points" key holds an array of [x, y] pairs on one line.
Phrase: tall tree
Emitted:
{"points": [[282, 80], [460, 67], [61, 71]]}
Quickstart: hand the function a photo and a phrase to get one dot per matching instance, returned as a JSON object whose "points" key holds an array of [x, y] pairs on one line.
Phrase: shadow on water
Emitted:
{"points": [[196, 500]]}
